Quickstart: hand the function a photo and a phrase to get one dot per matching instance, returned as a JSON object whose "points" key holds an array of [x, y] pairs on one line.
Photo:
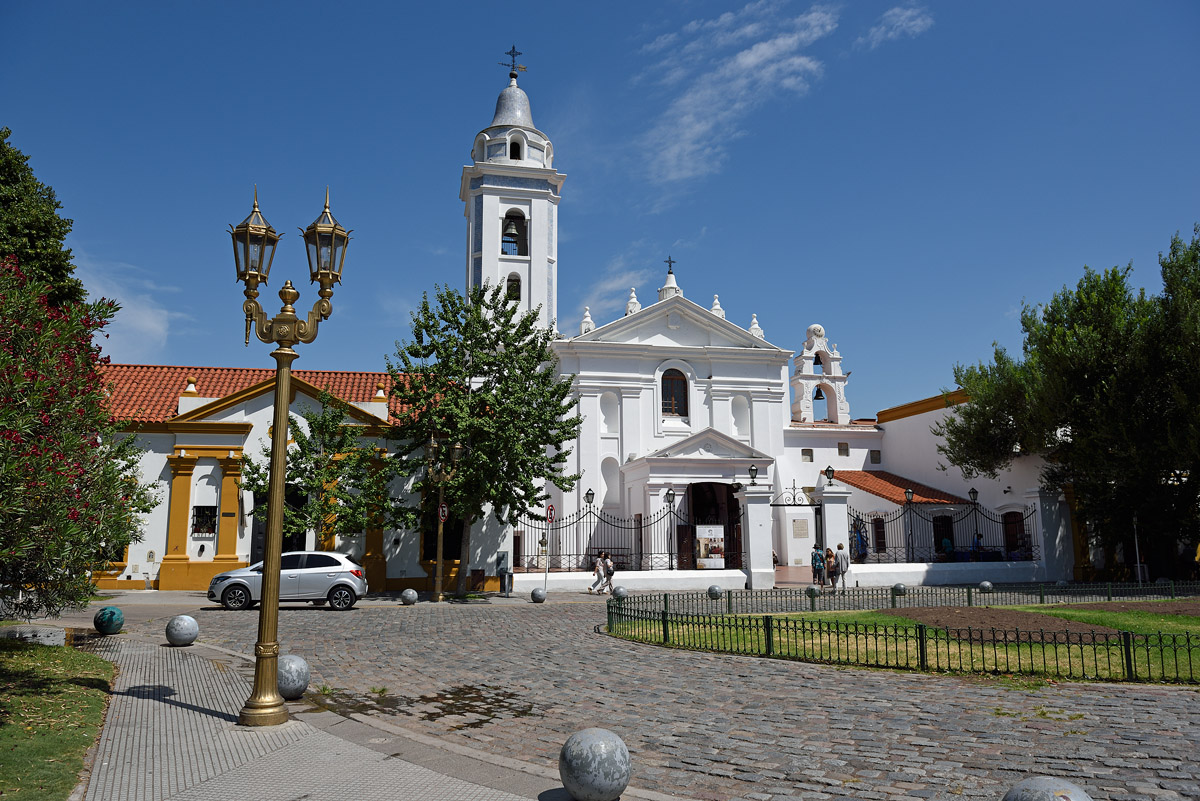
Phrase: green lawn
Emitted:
{"points": [[873, 639], [52, 701], [1146, 621]]}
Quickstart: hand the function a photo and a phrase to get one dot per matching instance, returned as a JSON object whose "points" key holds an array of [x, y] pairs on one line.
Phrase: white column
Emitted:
{"points": [[756, 536], [834, 498]]}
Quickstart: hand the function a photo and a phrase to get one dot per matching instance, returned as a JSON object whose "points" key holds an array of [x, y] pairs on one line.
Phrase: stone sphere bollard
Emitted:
{"points": [[182, 630], [292, 676], [985, 586], [538, 596], [812, 591], [715, 592], [899, 589], [594, 765], [620, 593], [109, 620], [1046, 788], [408, 597]]}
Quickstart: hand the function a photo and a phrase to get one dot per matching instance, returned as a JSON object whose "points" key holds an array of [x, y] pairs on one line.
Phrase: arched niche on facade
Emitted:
{"points": [[740, 408], [610, 413], [610, 478]]}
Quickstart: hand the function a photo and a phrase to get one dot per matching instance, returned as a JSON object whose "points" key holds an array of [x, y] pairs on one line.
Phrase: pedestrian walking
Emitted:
{"points": [[609, 570], [598, 572], [842, 558], [831, 568], [818, 566]]}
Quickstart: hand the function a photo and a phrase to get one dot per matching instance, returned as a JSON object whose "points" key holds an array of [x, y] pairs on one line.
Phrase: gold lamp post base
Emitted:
{"points": [[264, 716]]}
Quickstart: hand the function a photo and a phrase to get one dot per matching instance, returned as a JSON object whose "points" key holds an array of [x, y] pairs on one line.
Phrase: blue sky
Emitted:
{"points": [[905, 174]]}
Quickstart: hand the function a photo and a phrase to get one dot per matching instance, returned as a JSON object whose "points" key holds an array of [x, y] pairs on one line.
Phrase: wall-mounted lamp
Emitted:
{"points": [[829, 474], [753, 475]]}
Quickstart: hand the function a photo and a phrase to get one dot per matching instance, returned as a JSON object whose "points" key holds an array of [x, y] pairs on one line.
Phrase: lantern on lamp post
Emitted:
{"points": [[254, 242]]}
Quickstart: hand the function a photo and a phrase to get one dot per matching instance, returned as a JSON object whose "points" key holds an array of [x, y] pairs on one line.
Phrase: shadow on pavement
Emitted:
{"points": [[161, 692]]}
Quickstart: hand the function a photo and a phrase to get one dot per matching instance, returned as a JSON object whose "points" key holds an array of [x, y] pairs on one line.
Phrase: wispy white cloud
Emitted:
{"points": [[897, 23], [608, 294], [140, 331], [721, 69]]}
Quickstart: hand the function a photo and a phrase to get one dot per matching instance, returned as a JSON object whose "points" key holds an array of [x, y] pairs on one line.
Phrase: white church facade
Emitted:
{"points": [[708, 454]]}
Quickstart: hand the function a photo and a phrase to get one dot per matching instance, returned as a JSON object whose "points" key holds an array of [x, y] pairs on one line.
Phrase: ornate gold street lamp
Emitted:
{"points": [[254, 242]]}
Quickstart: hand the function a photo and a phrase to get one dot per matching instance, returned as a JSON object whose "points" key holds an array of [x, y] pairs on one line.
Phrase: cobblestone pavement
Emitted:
{"points": [[517, 679]]}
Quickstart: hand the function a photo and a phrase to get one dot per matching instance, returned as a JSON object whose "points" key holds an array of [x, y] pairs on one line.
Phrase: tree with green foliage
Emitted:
{"points": [[31, 228], [1108, 392], [70, 496], [338, 482], [479, 373]]}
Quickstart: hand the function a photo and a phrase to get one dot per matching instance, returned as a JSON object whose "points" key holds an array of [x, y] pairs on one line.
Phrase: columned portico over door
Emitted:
{"points": [[706, 481]]}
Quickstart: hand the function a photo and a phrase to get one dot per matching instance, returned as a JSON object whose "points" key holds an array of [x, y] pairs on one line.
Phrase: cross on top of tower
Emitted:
{"points": [[512, 64], [670, 263]]}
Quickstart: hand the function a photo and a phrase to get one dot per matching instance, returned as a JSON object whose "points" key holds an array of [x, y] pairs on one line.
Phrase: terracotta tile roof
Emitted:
{"points": [[150, 393], [891, 487]]}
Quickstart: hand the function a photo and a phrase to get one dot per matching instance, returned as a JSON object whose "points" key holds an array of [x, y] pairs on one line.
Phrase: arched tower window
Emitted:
{"points": [[512, 289], [674, 393], [514, 151], [514, 237]]}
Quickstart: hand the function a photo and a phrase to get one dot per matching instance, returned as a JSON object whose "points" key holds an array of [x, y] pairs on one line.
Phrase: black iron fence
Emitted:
{"points": [[676, 620], [667, 540], [924, 533]]}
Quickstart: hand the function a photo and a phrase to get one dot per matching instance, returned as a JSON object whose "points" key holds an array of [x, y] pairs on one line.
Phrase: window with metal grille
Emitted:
{"points": [[806, 454], [513, 289], [674, 393], [843, 449], [204, 520], [876, 457]]}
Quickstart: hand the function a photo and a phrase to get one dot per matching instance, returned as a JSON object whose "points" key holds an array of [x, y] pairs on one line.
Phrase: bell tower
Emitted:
{"points": [[510, 194]]}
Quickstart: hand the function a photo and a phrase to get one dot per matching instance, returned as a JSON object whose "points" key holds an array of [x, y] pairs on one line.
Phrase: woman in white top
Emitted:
{"points": [[598, 570], [607, 570]]}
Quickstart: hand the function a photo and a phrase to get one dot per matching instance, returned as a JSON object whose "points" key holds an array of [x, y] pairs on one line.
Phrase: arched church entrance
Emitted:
{"points": [[711, 538]]}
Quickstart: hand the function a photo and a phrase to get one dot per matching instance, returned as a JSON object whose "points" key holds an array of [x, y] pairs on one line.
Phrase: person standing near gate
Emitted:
{"points": [[842, 559], [818, 566]]}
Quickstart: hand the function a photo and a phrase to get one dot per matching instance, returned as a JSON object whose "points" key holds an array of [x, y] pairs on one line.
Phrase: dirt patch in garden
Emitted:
{"points": [[985, 618]]}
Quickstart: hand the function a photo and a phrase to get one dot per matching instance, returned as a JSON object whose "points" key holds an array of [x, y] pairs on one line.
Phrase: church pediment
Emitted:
{"points": [[675, 322], [213, 411], [709, 444]]}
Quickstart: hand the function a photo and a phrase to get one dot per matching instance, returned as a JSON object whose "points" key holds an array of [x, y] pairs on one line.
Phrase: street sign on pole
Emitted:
{"points": [[550, 514], [443, 512]]}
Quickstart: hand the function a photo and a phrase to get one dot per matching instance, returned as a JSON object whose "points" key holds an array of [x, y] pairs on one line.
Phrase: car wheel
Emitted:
{"points": [[236, 597], [341, 598]]}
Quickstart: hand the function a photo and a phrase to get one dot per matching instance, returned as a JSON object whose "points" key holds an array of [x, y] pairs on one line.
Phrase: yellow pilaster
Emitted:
{"points": [[173, 572], [227, 522]]}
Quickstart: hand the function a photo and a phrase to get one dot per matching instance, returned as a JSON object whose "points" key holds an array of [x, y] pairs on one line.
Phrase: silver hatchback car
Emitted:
{"points": [[317, 576]]}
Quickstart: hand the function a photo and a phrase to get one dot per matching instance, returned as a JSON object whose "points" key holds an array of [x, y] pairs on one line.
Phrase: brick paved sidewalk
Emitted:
{"points": [[171, 733]]}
